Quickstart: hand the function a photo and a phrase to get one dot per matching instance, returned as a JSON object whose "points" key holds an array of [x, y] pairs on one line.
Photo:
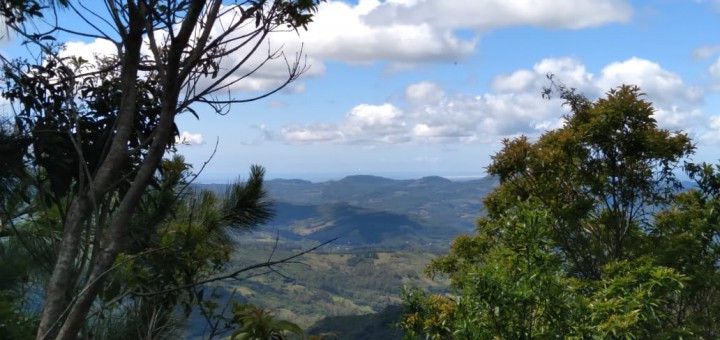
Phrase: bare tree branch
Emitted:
{"points": [[236, 273]]}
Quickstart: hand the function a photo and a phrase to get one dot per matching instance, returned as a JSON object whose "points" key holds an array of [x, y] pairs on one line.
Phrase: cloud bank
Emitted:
{"points": [[512, 107], [402, 33]]}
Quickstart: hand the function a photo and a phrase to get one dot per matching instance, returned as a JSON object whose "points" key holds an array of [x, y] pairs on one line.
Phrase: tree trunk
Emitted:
{"points": [[114, 237], [112, 240], [82, 206]]}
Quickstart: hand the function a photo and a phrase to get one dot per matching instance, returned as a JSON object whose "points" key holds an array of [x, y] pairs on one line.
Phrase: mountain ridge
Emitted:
{"points": [[368, 210]]}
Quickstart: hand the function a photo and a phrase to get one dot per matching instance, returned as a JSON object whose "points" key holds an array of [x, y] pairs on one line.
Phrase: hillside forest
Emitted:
{"points": [[603, 227]]}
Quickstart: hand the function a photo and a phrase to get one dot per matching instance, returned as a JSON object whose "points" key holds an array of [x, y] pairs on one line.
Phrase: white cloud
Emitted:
{"points": [[188, 138], [712, 135], [4, 36], [489, 14], [569, 71], [363, 124], [373, 116], [316, 133], [715, 68], [405, 32], [262, 71], [707, 51], [678, 118], [342, 32], [423, 92], [714, 73], [662, 87], [513, 107], [401, 32], [517, 81], [90, 51]]}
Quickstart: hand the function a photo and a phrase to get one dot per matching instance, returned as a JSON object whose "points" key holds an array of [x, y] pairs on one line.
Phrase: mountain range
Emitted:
{"points": [[368, 210]]}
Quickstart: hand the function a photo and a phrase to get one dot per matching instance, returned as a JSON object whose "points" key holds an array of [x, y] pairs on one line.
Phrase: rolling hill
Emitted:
{"points": [[374, 211]]}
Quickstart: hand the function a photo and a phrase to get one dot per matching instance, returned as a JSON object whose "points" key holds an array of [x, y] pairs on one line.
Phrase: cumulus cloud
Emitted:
{"points": [[188, 138], [403, 33], [568, 70], [363, 124], [341, 32], [424, 92], [513, 106], [489, 14], [95, 49], [662, 86]]}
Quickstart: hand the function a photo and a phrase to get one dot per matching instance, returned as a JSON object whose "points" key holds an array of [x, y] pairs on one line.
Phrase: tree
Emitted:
{"points": [[587, 235], [176, 238], [97, 131], [686, 237], [508, 282], [600, 176]]}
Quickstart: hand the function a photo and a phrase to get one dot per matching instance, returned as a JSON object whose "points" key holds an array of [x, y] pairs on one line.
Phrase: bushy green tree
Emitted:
{"points": [[588, 235], [600, 176]]}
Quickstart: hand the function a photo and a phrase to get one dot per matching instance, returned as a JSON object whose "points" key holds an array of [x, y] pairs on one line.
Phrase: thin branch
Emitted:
{"points": [[277, 239], [233, 275], [114, 13], [101, 18], [197, 174]]}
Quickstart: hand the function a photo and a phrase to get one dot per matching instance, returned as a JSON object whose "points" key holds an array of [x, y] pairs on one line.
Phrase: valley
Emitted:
{"points": [[387, 232]]}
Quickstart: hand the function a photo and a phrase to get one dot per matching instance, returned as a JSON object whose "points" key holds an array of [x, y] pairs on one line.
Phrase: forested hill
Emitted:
{"points": [[371, 210]]}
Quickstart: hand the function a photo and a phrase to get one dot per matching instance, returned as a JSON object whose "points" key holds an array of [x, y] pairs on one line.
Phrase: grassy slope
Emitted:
{"points": [[332, 283]]}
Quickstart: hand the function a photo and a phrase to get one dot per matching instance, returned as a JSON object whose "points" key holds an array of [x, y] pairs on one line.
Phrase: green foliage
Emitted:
{"points": [[510, 283], [19, 11], [177, 239], [431, 315], [635, 300], [15, 322], [686, 237], [83, 186], [517, 289], [599, 176], [256, 323], [381, 325], [570, 246], [324, 285], [70, 123]]}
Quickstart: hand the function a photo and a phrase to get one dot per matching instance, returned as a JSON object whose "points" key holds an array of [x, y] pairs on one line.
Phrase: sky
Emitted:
{"points": [[411, 88]]}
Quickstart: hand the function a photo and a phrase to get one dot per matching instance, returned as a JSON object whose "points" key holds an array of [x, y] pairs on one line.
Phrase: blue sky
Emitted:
{"points": [[408, 88]]}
